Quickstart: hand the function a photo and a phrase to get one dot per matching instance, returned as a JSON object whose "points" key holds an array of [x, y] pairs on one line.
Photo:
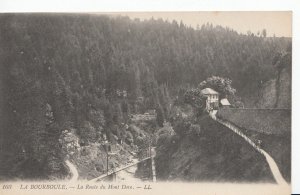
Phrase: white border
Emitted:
{"points": [[144, 5], [187, 5]]}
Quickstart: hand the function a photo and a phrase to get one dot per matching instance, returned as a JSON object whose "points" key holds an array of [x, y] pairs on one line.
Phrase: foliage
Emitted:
{"points": [[128, 137], [219, 84], [195, 98], [164, 139], [181, 126], [283, 59], [160, 116], [195, 130], [88, 132], [239, 104], [135, 131]]}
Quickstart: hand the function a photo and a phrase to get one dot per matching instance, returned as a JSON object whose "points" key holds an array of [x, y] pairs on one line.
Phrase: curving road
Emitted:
{"points": [[274, 168], [271, 162], [73, 171]]}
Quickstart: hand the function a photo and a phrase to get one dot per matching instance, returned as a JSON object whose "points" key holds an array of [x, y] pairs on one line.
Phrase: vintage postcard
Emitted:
{"points": [[146, 103]]}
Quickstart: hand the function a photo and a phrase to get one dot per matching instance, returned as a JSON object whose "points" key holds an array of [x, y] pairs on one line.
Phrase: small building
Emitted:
{"points": [[224, 103], [212, 101]]}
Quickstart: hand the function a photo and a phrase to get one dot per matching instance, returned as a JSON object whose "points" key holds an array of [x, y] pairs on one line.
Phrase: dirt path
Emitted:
{"points": [[271, 162], [73, 171]]}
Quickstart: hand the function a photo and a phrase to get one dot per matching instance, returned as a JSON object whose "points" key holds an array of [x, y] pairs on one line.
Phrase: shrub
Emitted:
{"points": [[88, 132], [181, 127], [164, 140], [134, 130], [160, 116], [195, 132], [128, 137], [195, 98]]}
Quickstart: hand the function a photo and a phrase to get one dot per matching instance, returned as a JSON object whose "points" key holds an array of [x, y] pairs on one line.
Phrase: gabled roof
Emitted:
{"points": [[209, 91], [225, 102]]}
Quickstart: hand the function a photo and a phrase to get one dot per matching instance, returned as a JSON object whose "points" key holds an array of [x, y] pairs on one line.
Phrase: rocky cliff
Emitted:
{"points": [[276, 93]]}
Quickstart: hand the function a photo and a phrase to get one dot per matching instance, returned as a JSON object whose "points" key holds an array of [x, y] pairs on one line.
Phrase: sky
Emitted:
{"points": [[275, 22]]}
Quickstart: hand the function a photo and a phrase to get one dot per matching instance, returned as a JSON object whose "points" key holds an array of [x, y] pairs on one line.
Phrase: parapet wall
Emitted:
{"points": [[267, 121]]}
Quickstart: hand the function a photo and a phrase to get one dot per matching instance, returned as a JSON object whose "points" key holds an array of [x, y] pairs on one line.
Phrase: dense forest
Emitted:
{"points": [[91, 72]]}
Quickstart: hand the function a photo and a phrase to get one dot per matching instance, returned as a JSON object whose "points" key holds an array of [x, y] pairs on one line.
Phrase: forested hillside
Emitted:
{"points": [[90, 72]]}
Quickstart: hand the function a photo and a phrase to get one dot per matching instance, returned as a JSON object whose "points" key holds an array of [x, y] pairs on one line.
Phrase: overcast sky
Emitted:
{"points": [[278, 23]]}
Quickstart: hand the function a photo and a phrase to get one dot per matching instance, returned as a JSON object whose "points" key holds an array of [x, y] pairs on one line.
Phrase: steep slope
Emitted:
{"points": [[276, 93], [214, 154], [269, 128]]}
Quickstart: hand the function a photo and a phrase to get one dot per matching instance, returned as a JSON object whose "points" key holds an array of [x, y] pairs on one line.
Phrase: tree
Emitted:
{"points": [[181, 126], [283, 59], [88, 132], [160, 116], [195, 98], [195, 132], [128, 137], [221, 85], [264, 33]]}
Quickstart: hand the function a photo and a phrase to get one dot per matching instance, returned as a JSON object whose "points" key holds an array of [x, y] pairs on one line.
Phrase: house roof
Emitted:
{"points": [[225, 102], [209, 91]]}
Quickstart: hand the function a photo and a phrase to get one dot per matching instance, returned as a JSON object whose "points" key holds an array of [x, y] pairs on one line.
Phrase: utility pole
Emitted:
{"points": [[150, 142], [107, 162], [150, 149], [106, 145], [152, 162]]}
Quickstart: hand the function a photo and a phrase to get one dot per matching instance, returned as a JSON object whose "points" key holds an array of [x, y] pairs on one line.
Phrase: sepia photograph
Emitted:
{"points": [[146, 97]]}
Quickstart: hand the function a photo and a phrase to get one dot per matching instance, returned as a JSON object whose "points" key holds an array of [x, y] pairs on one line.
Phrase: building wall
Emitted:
{"points": [[212, 99]]}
